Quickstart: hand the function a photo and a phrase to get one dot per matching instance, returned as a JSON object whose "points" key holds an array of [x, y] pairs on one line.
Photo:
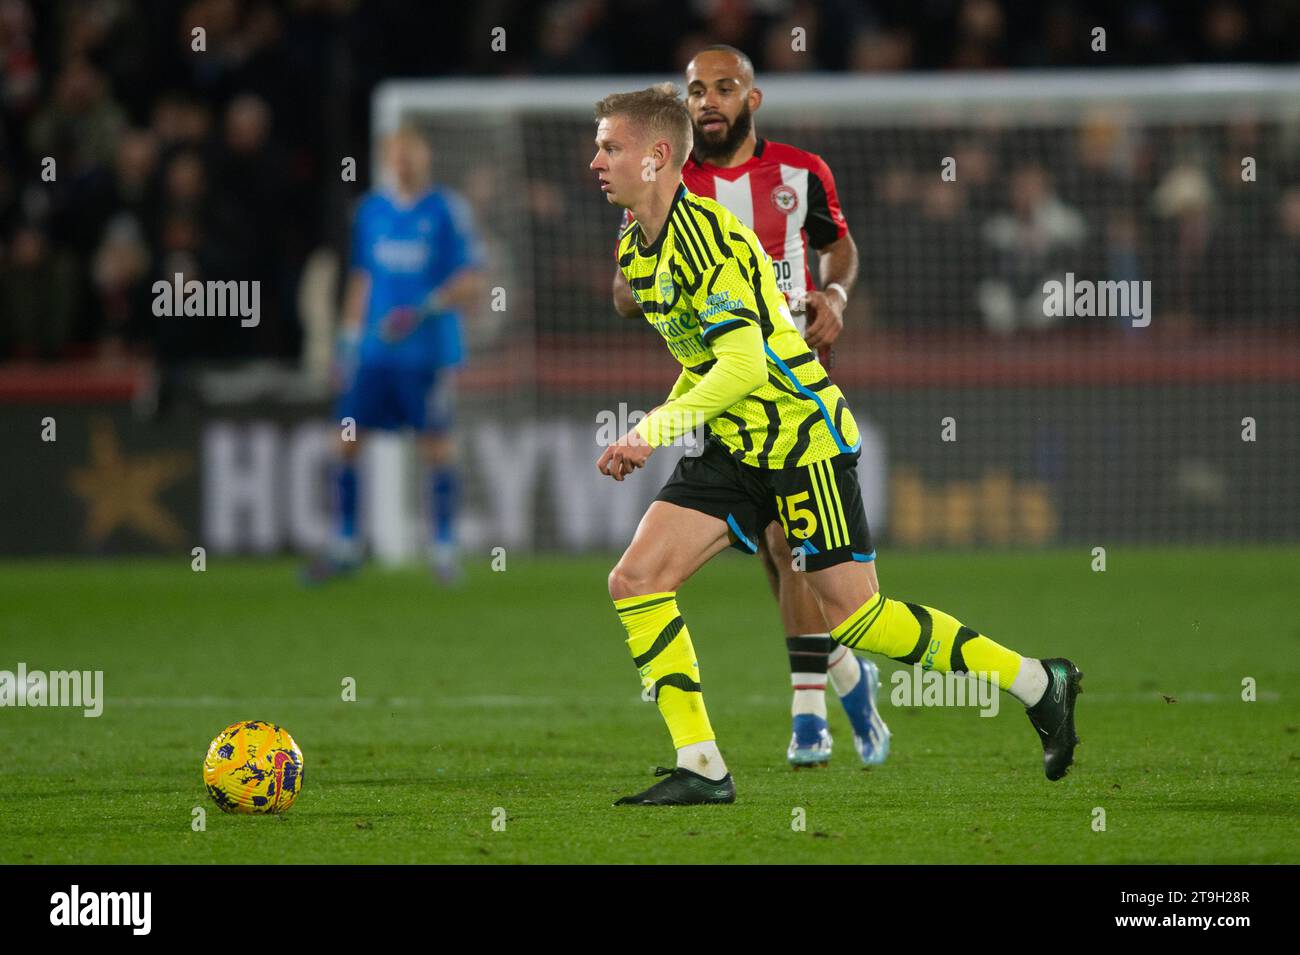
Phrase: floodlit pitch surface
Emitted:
{"points": [[513, 701]]}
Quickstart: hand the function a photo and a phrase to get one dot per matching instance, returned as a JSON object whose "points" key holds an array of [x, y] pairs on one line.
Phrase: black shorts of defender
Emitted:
{"points": [[819, 505]]}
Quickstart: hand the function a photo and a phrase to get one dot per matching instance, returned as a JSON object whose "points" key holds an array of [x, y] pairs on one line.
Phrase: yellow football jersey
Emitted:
{"points": [[705, 274]]}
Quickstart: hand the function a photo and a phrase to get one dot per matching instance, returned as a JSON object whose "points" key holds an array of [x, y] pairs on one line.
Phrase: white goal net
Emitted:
{"points": [[1172, 417]]}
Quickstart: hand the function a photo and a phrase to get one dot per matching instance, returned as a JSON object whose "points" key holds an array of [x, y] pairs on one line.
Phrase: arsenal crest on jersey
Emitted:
{"points": [[667, 289]]}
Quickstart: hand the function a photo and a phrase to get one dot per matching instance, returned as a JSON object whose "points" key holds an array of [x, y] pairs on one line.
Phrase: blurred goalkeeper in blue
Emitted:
{"points": [[415, 265]]}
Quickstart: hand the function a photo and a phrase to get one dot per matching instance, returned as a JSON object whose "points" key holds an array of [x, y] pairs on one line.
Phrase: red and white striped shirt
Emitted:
{"points": [[787, 196]]}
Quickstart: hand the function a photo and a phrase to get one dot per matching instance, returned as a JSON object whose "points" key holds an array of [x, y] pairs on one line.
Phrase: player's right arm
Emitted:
{"points": [[347, 341], [740, 368], [355, 296], [460, 257], [725, 303], [356, 299]]}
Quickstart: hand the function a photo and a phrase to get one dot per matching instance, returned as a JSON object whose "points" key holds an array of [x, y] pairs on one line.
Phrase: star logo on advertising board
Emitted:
{"points": [[121, 489]]}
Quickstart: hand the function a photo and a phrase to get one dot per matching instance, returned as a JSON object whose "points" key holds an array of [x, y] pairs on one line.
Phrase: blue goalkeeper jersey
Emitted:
{"points": [[409, 251]]}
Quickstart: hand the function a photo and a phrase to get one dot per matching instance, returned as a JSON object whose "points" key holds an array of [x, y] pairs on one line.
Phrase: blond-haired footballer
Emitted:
{"points": [[788, 196], [783, 446]]}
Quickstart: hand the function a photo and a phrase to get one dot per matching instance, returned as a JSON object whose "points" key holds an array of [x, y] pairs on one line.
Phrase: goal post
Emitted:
{"points": [[1093, 275]]}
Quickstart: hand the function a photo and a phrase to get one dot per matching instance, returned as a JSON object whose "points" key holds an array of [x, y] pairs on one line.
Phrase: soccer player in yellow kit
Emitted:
{"points": [[788, 196], [783, 447]]}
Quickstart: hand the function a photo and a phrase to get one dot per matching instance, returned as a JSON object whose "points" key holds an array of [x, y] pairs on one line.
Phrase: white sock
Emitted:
{"points": [[844, 670], [809, 694], [809, 686], [1030, 683], [703, 758]]}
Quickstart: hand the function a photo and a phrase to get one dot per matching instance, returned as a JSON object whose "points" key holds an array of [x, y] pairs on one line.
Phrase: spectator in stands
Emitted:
{"points": [[116, 96], [137, 161], [185, 184], [978, 173], [247, 224], [1228, 289], [1182, 203], [882, 51], [573, 37], [81, 125], [980, 42], [38, 296], [129, 189], [120, 277], [1281, 273], [950, 259], [1109, 156], [180, 121], [1037, 239], [183, 248], [890, 245], [20, 74]]}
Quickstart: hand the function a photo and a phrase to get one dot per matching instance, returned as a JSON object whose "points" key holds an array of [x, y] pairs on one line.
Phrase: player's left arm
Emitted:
{"points": [[463, 256], [725, 303], [462, 290], [837, 258], [739, 368], [838, 265]]}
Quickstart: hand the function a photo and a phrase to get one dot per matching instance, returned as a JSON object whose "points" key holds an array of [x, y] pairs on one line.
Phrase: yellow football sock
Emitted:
{"points": [[664, 656], [913, 634]]}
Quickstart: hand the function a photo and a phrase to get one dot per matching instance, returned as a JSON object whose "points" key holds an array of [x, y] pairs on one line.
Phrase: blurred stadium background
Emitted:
{"points": [[228, 164]]}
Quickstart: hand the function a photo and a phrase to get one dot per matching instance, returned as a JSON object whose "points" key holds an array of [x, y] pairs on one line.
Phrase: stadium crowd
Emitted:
{"points": [[126, 155]]}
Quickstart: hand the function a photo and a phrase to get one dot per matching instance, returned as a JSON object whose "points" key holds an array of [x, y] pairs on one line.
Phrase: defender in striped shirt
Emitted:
{"points": [[713, 298]]}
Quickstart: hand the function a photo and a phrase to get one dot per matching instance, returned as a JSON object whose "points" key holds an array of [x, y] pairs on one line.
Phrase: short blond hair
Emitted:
{"points": [[659, 110]]}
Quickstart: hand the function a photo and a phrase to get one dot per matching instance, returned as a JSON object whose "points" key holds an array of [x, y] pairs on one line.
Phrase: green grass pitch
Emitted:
{"points": [[516, 691]]}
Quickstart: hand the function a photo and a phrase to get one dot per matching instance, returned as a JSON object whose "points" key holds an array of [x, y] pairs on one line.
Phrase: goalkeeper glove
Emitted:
{"points": [[404, 319]]}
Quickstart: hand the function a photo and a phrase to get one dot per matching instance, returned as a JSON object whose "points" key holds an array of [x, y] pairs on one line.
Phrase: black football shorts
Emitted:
{"points": [[819, 505]]}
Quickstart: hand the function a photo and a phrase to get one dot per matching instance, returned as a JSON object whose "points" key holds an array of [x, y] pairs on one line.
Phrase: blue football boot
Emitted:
{"points": [[870, 734], [810, 745]]}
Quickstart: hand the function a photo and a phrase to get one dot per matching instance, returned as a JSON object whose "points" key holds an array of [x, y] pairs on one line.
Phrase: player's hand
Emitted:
{"points": [[624, 456], [825, 319], [399, 323]]}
